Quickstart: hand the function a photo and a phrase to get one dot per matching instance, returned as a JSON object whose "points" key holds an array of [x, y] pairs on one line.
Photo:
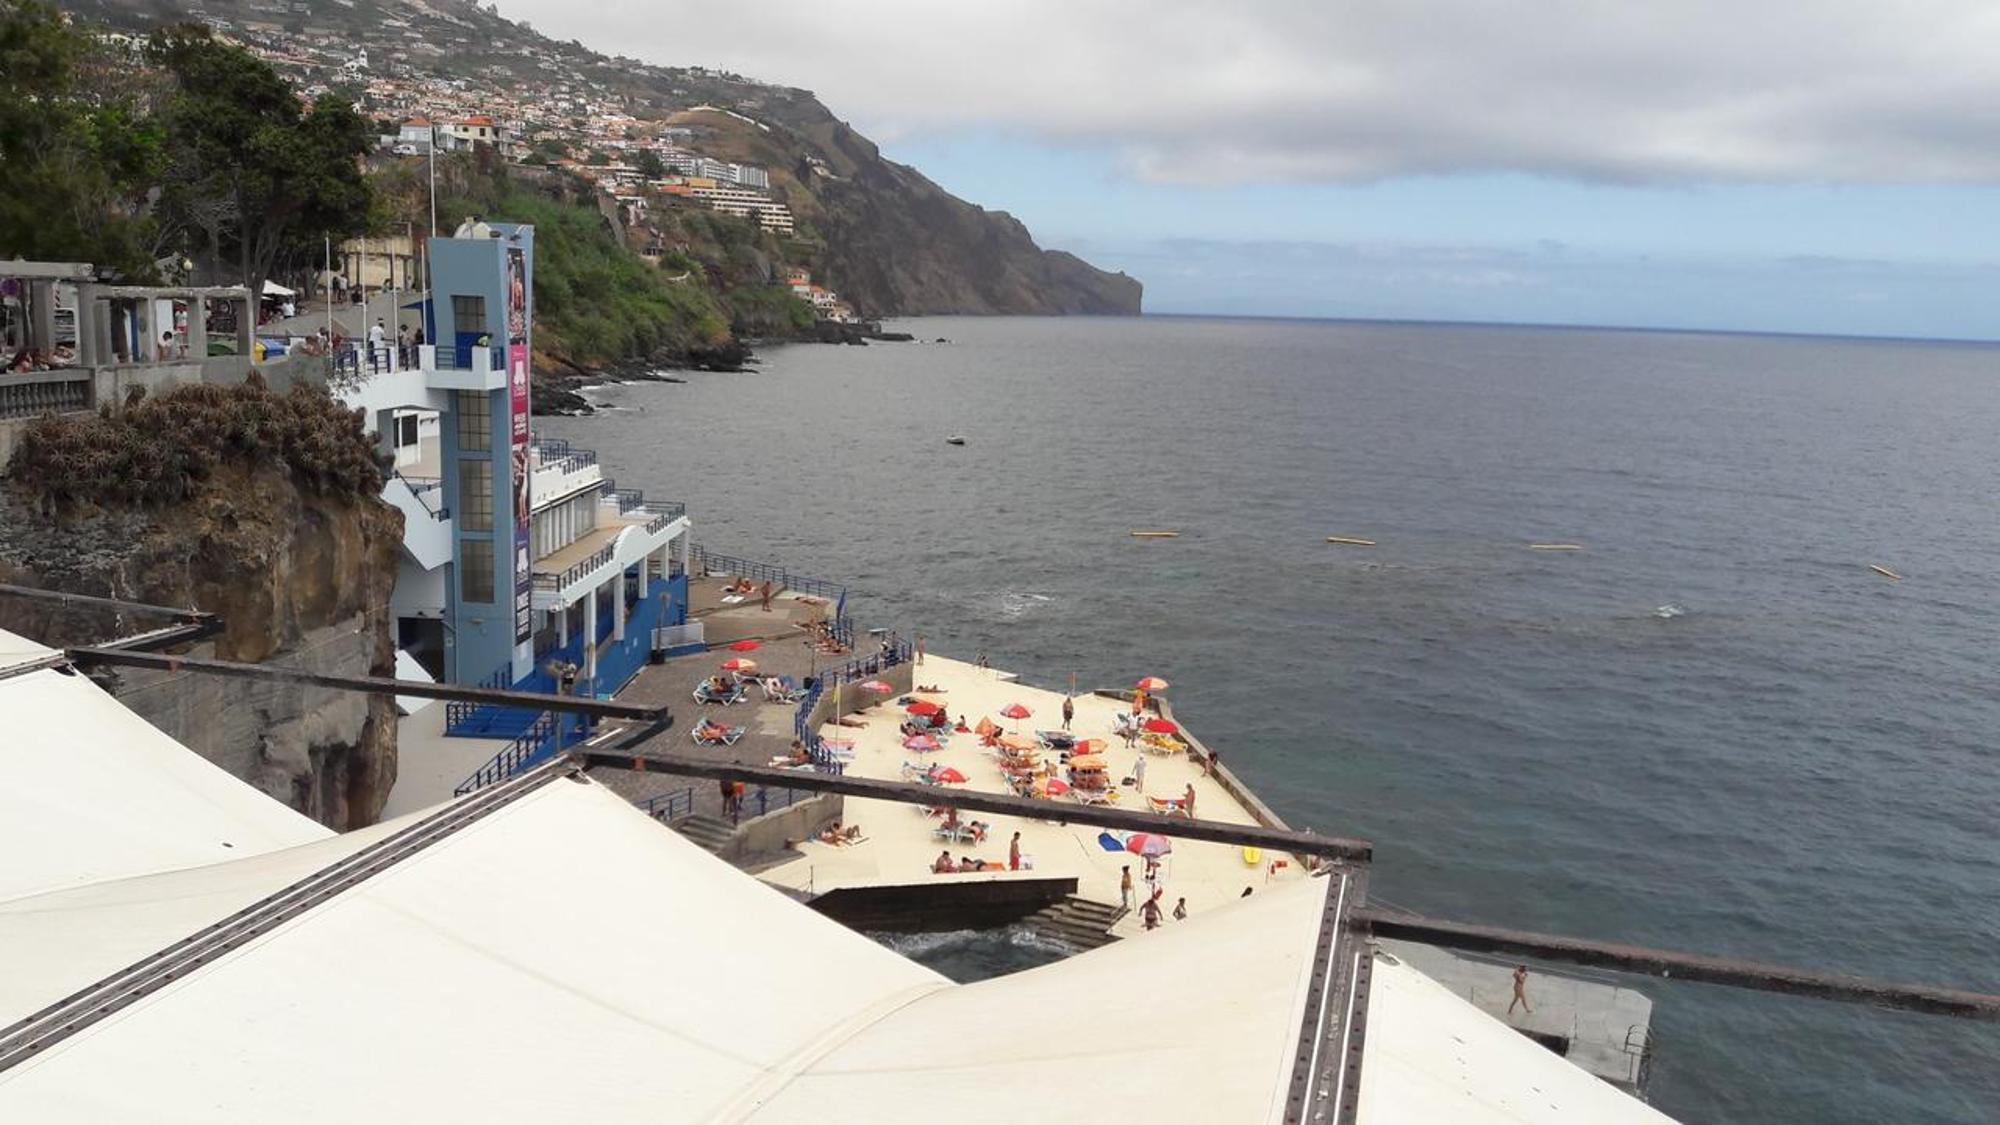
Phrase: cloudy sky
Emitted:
{"points": [[1806, 165]]}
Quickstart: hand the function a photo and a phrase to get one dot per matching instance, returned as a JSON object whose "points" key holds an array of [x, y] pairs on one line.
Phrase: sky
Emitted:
{"points": [[1785, 165]]}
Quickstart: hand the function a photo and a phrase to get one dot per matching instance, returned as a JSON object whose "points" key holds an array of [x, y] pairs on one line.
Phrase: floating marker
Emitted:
{"points": [[1350, 541], [1885, 572], [1156, 535], [1555, 546]]}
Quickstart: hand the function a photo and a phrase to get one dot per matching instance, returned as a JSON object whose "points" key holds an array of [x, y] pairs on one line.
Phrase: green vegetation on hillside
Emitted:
{"points": [[595, 301]]}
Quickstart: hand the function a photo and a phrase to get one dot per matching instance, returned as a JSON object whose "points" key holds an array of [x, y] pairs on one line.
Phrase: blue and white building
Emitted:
{"points": [[521, 560]]}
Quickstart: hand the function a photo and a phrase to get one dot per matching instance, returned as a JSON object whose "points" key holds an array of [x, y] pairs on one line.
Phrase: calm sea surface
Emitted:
{"points": [[1713, 729]]}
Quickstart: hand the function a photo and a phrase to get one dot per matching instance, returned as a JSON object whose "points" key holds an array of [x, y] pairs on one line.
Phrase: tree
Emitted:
{"points": [[650, 165], [252, 166], [77, 147]]}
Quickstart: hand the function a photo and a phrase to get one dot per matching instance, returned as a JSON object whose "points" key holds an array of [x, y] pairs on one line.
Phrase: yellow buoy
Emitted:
{"points": [[1155, 534], [1885, 572], [1253, 856], [1350, 541], [1555, 546]]}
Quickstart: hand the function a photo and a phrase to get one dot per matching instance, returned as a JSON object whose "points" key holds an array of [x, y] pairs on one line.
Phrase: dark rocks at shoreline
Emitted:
{"points": [[854, 332]]}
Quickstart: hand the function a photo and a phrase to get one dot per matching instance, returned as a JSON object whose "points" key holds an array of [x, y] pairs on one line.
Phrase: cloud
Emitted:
{"points": [[1318, 90]]}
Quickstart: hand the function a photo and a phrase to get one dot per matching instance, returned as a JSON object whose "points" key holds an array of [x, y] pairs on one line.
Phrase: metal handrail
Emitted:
{"points": [[433, 484], [518, 754], [667, 806], [576, 570], [713, 563]]}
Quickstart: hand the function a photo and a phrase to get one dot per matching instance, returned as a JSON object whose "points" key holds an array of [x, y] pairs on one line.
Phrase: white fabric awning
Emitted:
{"points": [[273, 289]]}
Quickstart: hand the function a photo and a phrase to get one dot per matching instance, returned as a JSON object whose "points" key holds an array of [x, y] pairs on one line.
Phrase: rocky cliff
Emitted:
{"points": [[299, 578]]}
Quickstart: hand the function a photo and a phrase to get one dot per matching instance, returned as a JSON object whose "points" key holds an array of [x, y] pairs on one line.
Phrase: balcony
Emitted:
{"points": [[629, 528]]}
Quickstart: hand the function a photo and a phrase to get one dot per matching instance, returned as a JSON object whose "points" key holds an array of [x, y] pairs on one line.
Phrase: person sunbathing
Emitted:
{"points": [[710, 729], [944, 865], [970, 863], [932, 688]]}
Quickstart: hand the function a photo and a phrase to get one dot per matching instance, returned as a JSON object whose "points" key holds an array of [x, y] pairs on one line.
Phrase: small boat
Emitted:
{"points": [[954, 440], [1555, 546], [1156, 535], [1885, 572], [1350, 541]]}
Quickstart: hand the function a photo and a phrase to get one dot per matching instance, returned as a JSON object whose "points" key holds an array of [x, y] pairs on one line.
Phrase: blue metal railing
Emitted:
{"points": [[669, 807], [764, 799], [536, 743], [711, 563], [895, 650], [459, 713]]}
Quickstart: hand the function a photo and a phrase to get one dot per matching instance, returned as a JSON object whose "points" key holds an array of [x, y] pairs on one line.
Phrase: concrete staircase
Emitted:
{"points": [[1076, 922], [707, 833]]}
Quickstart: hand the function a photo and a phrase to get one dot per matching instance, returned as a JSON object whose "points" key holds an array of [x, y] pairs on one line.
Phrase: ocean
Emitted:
{"points": [[1713, 728]]}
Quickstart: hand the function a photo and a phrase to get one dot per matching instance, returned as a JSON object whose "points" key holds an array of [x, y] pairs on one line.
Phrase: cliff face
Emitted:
{"points": [[298, 579], [891, 241]]}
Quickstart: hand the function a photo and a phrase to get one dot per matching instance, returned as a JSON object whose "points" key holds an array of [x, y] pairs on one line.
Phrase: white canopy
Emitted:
{"points": [[90, 791], [273, 289]]}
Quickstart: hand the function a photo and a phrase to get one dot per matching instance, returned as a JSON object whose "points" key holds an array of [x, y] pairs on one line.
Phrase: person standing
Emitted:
{"points": [[1520, 991], [1014, 853], [1211, 763], [1069, 710], [920, 650], [766, 592], [1150, 912], [376, 335], [1125, 887], [1139, 774], [1180, 910], [1187, 802]]}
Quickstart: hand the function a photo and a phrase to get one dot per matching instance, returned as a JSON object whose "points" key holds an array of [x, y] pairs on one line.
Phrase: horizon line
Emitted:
{"points": [[1441, 322]]}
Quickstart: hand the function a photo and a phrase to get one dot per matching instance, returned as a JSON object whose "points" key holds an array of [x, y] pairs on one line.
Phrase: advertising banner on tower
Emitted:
{"points": [[517, 388]]}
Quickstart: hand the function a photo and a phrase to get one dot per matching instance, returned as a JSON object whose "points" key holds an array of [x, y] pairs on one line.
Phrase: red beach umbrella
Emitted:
{"points": [[1016, 711], [1152, 684], [948, 776], [746, 645], [1054, 786], [1148, 843], [924, 707], [920, 743], [1161, 726], [739, 664], [876, 686]]}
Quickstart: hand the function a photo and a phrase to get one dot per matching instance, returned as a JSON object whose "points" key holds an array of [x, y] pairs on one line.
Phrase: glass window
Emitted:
{"points": [[475, 570], [475, 422], [475, 495], [468, 314]]}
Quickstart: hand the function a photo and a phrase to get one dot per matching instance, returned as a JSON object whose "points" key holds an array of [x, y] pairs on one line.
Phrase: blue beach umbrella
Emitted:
{"points": [[1109, 842]]}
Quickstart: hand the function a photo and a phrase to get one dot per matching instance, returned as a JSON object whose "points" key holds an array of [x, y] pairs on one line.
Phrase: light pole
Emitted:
{"points": [[431, 155]]}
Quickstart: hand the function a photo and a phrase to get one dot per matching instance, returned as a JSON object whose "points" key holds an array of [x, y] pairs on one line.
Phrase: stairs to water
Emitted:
{"points": [[707, 833], [1076, 922]]}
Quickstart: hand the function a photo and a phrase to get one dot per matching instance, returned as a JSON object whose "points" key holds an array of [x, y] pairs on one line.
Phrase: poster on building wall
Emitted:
{"points": [[517, 388]]}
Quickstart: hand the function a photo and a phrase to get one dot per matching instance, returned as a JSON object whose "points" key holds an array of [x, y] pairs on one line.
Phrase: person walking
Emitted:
{"points": [[1069, 711], [1014, 853], [376, 335], [1139, 774], [1150, 912], [1125, 887], [1520, 991]]}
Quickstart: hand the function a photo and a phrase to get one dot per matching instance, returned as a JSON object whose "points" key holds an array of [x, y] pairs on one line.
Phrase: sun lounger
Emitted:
{"points": [[703, 693], [1170, 806], [729, 736], [1056, 739], [1093, 796]]}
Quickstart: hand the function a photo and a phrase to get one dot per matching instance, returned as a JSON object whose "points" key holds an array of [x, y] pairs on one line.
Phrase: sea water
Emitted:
{"points": [[1712, 728]]}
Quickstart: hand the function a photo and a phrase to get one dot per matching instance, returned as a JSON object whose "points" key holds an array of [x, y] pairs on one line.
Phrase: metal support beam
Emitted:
{"points": [[1242, 835], [374, 685], [1681, 966], [188, 616]]}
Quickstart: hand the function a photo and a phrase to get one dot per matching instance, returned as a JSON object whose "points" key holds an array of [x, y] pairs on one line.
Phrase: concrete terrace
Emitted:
{"points": [[900, 844]]}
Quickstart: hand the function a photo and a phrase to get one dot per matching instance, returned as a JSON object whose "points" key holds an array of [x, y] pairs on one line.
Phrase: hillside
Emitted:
{"points": [[891, 241]]}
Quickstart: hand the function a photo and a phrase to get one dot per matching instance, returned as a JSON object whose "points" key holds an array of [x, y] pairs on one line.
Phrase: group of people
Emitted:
{"points": [[35, 359], [1150, 910]]}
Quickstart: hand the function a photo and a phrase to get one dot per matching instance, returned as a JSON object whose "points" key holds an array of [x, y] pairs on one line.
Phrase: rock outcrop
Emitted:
{"points": [[298, 579]]}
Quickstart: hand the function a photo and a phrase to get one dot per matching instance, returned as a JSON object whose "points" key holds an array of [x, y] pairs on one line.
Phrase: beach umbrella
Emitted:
{"points": [[1016, 711], [924, 707], [739, 664], [1052, 787], [948, 776], [876, 686], [1087, 746], [746, 645], [1161, 726], [1109, 842], [1148, 843], [920, 743], [1086, 762], [1151, 684], [1016, 742]]}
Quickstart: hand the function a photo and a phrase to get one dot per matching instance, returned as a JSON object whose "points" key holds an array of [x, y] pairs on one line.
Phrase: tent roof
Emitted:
{"points": [[91, 791], [273, 289]]}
